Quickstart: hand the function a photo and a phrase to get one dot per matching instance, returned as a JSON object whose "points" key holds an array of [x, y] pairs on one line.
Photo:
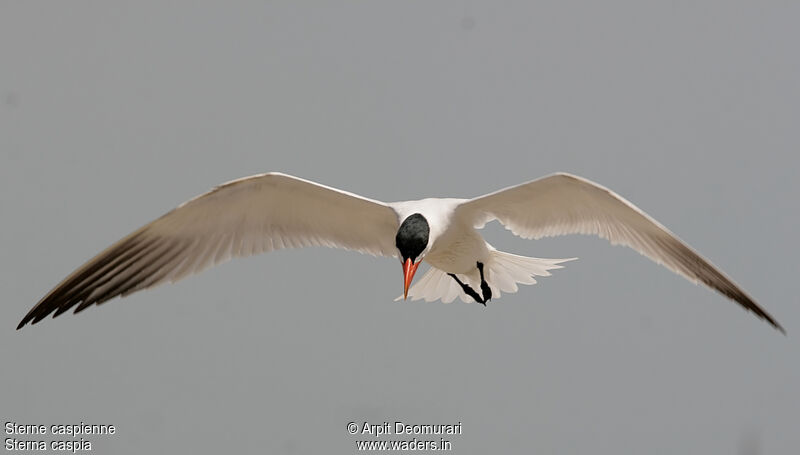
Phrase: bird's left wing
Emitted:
{"points": [[246, 216], [563, 204]]}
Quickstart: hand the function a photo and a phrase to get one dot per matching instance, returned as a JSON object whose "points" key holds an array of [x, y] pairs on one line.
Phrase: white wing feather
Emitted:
{"points": [[563, 204], [247, 216]]}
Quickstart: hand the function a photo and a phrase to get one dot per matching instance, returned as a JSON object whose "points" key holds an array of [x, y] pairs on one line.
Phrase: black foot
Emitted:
{"points": [[485, 289], [468, 290]]}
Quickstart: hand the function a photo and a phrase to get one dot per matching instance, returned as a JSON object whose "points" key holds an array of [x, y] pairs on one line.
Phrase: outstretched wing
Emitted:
{"points": [[240, 218], [563, 204]]}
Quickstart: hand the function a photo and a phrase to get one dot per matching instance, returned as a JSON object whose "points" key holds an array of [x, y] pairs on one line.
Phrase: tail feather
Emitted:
{"points": [[503, 271]]}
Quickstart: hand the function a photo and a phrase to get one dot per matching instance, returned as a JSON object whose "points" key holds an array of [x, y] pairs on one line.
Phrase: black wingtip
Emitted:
{"points": [[763, 315], [752, 306], [24, 321]]}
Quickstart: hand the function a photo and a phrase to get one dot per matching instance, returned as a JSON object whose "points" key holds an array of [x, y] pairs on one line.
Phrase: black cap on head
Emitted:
{"points": [[412, 237]]}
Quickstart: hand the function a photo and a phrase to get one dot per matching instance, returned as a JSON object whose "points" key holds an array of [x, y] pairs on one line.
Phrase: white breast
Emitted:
{"points": [[453, 245]]}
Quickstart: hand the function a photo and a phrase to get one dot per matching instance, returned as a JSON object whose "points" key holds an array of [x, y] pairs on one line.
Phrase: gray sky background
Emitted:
{"points": [[113, 113]]}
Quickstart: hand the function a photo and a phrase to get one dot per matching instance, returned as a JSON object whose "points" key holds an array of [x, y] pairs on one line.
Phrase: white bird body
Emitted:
{"points": [[453, 244], [264, 212]]}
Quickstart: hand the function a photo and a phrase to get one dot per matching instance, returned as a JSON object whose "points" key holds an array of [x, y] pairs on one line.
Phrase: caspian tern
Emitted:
{"points": [[271, 211]]}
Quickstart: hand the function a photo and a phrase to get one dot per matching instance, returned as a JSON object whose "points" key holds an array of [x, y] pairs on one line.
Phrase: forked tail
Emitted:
{"points": [[503, 271]]}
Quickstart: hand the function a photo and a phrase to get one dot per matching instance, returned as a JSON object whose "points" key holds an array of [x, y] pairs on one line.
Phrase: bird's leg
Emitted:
{"points": [[485, 289], [468, 290]]}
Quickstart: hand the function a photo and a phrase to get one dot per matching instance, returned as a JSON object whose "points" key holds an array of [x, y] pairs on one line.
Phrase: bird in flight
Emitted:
{"points": [[271, 211]]}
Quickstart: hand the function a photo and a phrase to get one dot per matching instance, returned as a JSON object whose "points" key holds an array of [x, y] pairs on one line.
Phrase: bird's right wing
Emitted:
{"points": [[246, 216], [562, 204]]}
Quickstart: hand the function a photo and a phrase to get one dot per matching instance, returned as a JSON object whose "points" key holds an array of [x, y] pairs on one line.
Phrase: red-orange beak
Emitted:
{"points": [[409, 269]]}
